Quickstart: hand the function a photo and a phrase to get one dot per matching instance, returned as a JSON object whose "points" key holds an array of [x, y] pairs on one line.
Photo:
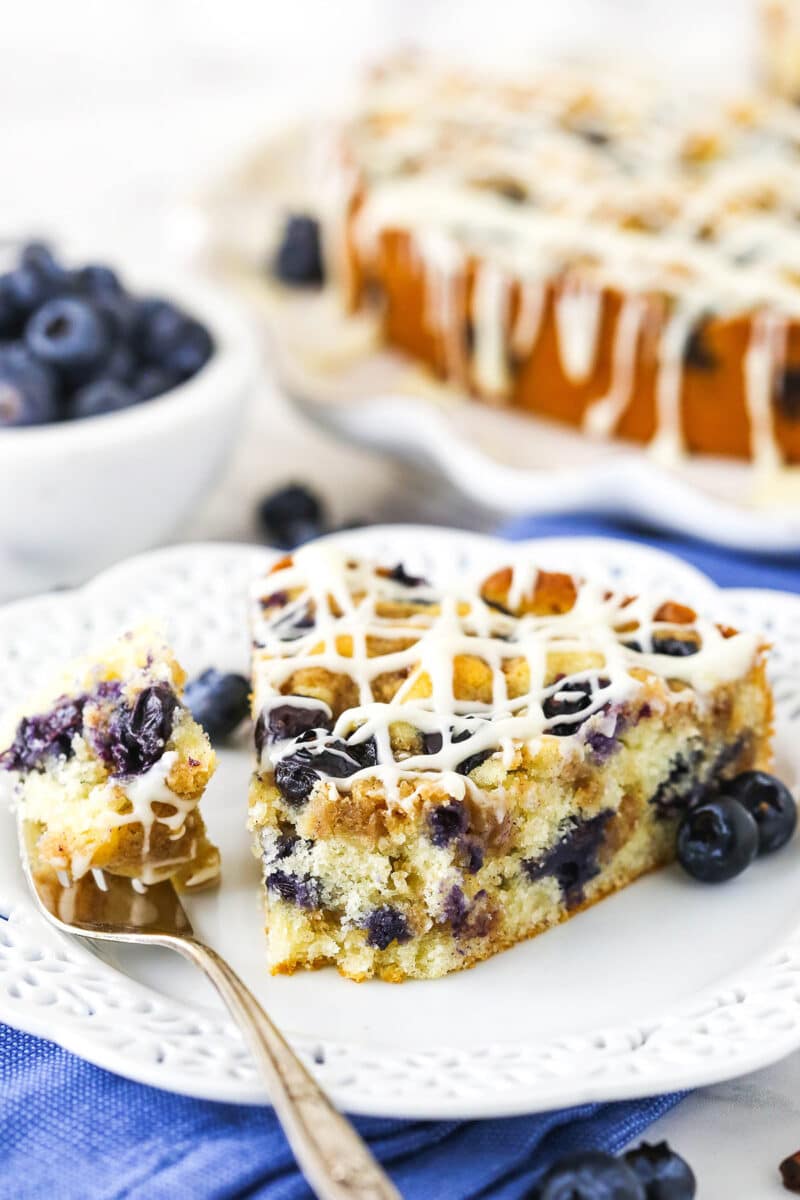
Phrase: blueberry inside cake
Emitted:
{"points": [[443, 771], [109, 767]]}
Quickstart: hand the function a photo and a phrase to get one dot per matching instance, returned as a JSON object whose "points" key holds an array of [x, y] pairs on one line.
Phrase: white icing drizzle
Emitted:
{"points": [[457, 621], [667, 444], [99, 879], [442, 262], [525, 332], [578, 310], [765, 356], [603, 414], [490, 301], [142, 792]]}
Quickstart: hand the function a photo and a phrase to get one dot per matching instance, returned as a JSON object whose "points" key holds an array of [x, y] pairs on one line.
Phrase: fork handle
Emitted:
{"points": [[337, 1164]]}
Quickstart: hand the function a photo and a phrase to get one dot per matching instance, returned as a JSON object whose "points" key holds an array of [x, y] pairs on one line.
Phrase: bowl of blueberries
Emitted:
{"points": [[118, 408]]}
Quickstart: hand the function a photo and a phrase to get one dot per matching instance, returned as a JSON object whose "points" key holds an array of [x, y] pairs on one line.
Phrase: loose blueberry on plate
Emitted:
{"points": [[299, 258], [717, 840], [218, 701], [68, 335], [770, 802], [590, 1175], [28, 389], [665, 1175], [291, 515]]}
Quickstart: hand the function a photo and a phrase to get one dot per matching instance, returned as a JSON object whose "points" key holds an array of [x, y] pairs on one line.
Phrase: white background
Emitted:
{"points": [[112, 114]]}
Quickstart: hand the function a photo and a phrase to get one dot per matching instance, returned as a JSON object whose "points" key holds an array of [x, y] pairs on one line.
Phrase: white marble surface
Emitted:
{"points": [[113, 113]]}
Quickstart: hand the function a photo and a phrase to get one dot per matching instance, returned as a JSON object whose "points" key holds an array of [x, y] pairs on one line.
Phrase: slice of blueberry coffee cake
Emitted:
{"points": [[109, 767], [444, 771]]}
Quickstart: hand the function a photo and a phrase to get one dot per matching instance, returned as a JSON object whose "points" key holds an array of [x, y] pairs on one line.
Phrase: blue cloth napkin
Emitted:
{"points": [[71, 1131]]}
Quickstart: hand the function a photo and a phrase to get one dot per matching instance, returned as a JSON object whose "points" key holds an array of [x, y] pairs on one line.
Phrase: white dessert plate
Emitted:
{"points": [[331, 366], [666, 985]]}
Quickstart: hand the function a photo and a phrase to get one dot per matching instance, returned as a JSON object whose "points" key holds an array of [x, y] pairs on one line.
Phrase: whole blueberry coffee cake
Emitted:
{"points": [[444, 770], [582, 245], [109, 767]]}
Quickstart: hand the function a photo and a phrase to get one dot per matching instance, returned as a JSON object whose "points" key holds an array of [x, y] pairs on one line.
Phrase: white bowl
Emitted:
{"points": [[78, 496]]}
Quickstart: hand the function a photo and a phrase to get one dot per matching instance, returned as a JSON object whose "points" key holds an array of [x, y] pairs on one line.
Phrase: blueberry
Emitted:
{"points": [[447, 822], [299, 258], [365, 753], [28, 389], [468, 765], [680, 789], [22, 291], [673, 646], [386, 925], [304, 891], [121, 365], [291, 515], [432, 742], [770, 802], [292, 625], [10, 319], [717, 840], [219, 701], [190, 352], [39, 258], [787, 394], [46, 735], [153, 381], [286, 721], [101, 397], [590, 1175], [135, 738], [158, 325], [574, 859], [665, 1175], [69, 335], [119, 313], [284, 845], [571, 696], [400, 575], [295, 779], [472, 855], [696, 353], [166, 337], [97, 279], [341, 760]]}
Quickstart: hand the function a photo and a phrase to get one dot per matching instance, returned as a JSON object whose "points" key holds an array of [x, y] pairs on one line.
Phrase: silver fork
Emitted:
{"points": [[335, 1161]]}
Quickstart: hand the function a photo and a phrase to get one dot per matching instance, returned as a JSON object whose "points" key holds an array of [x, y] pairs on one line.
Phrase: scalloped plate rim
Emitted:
{"points": [[508, 1101]]}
